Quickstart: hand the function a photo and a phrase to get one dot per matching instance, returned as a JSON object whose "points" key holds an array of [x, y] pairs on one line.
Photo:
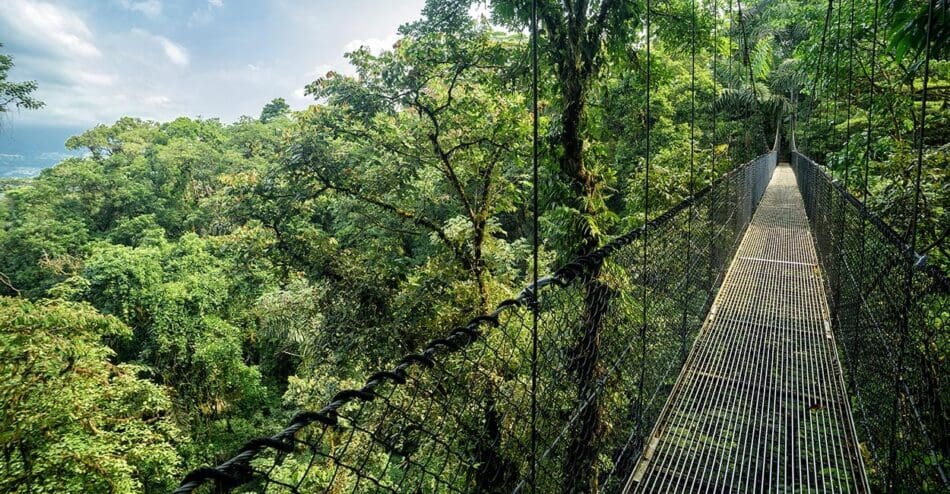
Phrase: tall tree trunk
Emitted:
{"points": [[478, 264], [495, 474], [572, 167], [580, 464]]}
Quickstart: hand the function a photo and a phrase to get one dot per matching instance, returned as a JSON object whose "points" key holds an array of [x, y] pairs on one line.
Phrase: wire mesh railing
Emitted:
{"points": [[614, 329], [890, 313]]}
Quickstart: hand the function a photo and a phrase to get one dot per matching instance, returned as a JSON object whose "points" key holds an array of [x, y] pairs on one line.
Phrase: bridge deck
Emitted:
{"points": [[760, 405]]}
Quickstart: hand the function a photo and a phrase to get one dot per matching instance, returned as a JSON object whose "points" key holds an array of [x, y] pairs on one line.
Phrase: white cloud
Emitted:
{"points": [[147, 72], [63, 54], [95, 78], [175, 53], [151, 8], [55, 28], [374, 45], [204, 15], [54, 156], [157, 100]]}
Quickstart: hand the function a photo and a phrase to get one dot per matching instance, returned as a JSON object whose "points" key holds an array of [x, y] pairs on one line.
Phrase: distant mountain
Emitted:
{"points": [[26, 150]]}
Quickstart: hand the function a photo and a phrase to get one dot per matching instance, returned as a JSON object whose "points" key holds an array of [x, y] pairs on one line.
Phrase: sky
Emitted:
{"points": [[98, 60]]}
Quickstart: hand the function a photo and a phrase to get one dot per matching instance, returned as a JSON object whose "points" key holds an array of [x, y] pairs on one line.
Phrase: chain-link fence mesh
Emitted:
{"points": [[890, 313], [614, 329]]}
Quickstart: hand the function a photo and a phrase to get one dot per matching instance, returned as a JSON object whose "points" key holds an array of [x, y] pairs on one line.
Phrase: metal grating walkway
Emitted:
{"points": [[760, 405]]}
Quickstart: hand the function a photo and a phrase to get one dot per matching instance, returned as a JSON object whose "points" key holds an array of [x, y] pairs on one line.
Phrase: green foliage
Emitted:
{"points": [[15, 94], [262, 265], [277, 108], [908, 33], [72, 420], [887, 103], [10, 183], [427, 137], [143, 229]]}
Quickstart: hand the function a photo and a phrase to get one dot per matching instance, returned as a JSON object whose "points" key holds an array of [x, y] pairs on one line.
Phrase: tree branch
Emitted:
{"points": [[445, 159], [404, 214], [5, 280]]}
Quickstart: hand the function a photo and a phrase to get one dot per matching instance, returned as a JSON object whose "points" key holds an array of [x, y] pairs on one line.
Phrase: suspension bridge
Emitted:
{"points": [[766, 334]]}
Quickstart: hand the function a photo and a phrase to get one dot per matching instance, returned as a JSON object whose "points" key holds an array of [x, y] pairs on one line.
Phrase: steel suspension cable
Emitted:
{"points": [[867, 150], [839, 250], [747, 59], [692, 103], [745, 49], [691, 186], [847, 148], [862, 266], [731, 64], [535, 244], [912, 233], [715, 82], [836, 91], [715, 108], [818, 66], [646, 223]]}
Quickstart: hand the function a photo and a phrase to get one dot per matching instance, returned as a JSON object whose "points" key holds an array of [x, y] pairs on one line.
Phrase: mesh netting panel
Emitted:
{"points": [[890, 316]]}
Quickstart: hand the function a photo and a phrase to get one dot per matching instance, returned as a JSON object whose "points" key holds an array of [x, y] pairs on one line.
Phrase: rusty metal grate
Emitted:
{"points": [[760, 405]]}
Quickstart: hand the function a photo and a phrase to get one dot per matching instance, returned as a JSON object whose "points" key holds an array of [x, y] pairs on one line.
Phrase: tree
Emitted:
{"points": [[72, 420], [277, 108], [174, 297], [579, 38], [15, 94], [428, 133], [236, 272]]}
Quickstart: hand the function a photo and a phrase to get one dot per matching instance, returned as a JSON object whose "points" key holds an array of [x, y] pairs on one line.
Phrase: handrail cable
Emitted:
{"points": [[653, 278], [234, 471], [815, 180]]}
